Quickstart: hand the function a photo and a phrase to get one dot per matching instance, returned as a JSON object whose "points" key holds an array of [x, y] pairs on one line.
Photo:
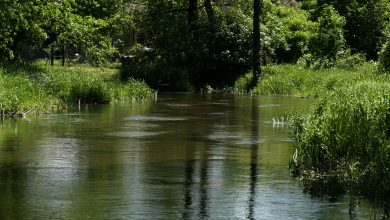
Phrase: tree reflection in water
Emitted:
{"points": [[254, 158]]}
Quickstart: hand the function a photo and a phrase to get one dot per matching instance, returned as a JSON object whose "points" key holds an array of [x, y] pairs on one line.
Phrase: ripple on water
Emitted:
{"points": [[137, 134], [154, 118], [178, 105]]}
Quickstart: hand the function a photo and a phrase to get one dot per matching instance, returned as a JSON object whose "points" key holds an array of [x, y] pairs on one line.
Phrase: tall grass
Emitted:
{"points": [[41, 88], [293, 80], [343, 144], [20, 94]]}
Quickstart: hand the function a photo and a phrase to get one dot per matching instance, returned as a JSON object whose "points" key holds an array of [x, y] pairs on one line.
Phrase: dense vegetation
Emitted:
{"points": [[186, 45], [38, 88]]}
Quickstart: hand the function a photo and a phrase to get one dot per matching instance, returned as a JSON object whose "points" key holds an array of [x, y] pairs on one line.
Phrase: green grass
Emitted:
{"points": [[343, 143], [292, 80], [43, 88]]}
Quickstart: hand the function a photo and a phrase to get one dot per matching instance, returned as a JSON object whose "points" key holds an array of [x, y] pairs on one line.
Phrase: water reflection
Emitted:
{"points": [[182, 157], [189, 172], [254, 158]]}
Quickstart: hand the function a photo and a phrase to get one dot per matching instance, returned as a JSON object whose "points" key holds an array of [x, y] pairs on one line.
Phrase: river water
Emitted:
{"points": [[184, 156]]}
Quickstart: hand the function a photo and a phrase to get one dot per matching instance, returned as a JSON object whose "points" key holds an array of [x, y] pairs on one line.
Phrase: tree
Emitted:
{"points": [[365, 22], [329, 40], [256, 42], [20, 27]]}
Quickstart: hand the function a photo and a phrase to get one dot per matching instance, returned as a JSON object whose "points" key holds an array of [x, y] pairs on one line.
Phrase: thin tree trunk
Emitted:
{"points": [[192, 14], [51, 55], [256, 42], [210, 12], [192, 36], [63, 55]]}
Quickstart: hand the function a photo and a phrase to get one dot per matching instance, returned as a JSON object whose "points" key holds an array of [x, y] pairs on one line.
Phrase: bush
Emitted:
{"points": [[329, 39], [286, 33], [344, 60]]}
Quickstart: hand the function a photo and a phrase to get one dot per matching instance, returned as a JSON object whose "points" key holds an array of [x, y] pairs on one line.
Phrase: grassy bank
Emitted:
{"points": [[293, 80], [343, 142], [40, 88]]}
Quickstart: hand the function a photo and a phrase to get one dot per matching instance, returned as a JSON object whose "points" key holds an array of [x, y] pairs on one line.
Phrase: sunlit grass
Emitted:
{"points": [[42, 87], [292, 80]]}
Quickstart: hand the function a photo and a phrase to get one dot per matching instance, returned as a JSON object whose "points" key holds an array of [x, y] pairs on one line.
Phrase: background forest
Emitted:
{"points": [[183, 45]]}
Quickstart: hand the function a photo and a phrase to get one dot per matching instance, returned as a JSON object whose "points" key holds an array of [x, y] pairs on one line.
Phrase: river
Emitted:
{"points": [[184, 156]]}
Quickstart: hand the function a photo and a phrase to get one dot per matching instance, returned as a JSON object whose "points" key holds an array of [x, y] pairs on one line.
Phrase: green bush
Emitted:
{"points": [[343, 144], [286, 32], [329, 40]]}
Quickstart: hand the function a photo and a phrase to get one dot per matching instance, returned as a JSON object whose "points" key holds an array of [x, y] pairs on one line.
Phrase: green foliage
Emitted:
{"points": [[286, 32], [98, 8], [329, 40], [344, 60], [28, 27], [343, 143], [365, 23], [20, 27], [384, 58], [214, 49]]}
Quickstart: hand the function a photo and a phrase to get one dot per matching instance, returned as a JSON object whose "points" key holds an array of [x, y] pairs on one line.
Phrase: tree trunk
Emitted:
{"points": [[51, 55], [192, 37], [256, 42], [209, 11], [63, 55], [192, 14]]}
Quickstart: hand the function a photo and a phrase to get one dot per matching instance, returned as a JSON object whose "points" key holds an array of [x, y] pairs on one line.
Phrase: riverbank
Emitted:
{"points": [[39, 88], [342, 143], [293, 80]]}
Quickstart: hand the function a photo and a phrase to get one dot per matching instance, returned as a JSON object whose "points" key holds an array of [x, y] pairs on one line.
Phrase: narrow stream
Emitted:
{"points": [[185, 156]]}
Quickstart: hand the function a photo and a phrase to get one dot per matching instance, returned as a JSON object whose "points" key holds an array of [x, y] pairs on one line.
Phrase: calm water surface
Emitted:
{"points": [[181, 157]]}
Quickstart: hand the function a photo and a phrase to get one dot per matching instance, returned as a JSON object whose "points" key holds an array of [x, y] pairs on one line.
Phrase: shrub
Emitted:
{"points": [[329, 39]]}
